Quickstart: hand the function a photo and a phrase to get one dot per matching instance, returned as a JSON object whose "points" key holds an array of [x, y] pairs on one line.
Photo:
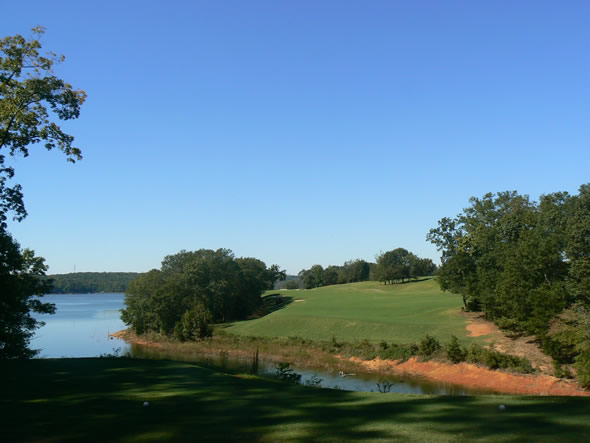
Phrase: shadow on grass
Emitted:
{"points": [[270, 304], [102, 400]]}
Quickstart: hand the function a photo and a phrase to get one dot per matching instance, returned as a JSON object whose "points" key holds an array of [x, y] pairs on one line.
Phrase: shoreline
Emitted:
{"points": [[462, 374]]}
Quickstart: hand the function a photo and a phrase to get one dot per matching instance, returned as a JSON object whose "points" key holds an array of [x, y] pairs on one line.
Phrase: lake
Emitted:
{"points": [[82, 324]]}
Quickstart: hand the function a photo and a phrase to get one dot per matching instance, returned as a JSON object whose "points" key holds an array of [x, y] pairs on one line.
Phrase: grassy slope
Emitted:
{"points": [[400, 313], [102, 400]]}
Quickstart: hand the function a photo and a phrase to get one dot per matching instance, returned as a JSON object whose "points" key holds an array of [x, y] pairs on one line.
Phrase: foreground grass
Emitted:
{"points": [[402, 313], [102, 400]]}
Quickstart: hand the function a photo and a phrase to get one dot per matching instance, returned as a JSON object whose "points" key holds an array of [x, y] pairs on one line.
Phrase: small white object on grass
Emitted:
{"points": [[501, 407], [145, 403]]}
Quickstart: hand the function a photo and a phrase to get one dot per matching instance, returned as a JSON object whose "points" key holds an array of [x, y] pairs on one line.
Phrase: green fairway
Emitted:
{"points": [[401, 313], [102, 400]]}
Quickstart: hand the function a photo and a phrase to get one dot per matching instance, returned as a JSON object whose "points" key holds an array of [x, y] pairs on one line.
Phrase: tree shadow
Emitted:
{"points": [[270, 304], [103, 400]]}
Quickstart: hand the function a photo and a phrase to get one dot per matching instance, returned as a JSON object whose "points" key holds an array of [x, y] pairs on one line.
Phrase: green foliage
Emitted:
{"points": [[524, 264], [399, 265], [291, 284], [194, 289], [21, 280], [398, 351], [496, 360], [582, 366], [285, 373], [455, 352], [312, 278], [351, 271], [30, 95], [31, 99], [428, 346], [91, 282], [194, 325]]}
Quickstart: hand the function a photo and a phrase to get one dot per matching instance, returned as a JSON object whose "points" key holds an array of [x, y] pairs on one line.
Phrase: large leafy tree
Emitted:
{"points": [[195, 288], [32, 99]]}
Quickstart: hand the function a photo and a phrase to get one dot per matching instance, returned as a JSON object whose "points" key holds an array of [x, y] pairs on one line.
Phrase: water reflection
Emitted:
{"points": [[366, 382], [81, 326]]}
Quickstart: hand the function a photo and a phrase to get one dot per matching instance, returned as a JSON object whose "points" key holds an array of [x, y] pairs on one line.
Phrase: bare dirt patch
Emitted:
{"points": [[524, 346], [130, 337], [473, 376]]}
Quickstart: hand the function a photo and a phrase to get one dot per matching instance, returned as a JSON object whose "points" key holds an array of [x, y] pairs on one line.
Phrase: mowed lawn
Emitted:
{"points": [[402, 313], [102, 400]]}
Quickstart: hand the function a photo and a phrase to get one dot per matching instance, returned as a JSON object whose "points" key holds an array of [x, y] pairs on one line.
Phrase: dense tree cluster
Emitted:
{"points": [[32, 99], [392, 266], [351, 271], [399, 265], [193, 289], [525, 264], [91, 282]]}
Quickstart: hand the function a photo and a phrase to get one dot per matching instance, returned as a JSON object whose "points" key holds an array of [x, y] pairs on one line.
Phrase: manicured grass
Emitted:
{"points": [[402, 313], [102, 400]]}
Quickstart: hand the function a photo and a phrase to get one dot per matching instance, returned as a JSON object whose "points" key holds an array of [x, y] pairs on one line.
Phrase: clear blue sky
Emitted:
{"points": [[298, 132]]}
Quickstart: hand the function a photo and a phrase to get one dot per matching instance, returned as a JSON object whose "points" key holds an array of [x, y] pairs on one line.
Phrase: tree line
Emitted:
{"points": [[394, 266], [91, 282], [526, 266]]}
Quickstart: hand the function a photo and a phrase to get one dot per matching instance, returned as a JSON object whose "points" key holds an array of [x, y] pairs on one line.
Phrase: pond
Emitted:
{"points": [[83, 322]]}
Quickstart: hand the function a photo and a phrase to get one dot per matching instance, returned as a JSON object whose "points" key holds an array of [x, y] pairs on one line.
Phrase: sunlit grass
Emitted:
{"points": [[402, 313]]}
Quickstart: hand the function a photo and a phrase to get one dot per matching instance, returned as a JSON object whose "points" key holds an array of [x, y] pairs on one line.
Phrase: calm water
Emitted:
{"points": [[83, 322], [81, 326]]}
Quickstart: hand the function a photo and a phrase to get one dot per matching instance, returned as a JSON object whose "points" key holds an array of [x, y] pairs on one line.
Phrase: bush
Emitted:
{"points": [[496, 360], [193, 325], [455, 352], [284, 373], [582, 366], [428, 346], [476, 353], [398, 352]]}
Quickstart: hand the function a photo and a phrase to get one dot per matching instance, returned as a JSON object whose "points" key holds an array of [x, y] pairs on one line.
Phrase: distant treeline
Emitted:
{"points": [[90, 282], [393, 266]]}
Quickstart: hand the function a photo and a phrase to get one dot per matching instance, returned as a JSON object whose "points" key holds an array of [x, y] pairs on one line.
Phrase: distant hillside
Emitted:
{"points": [[90, 282], [295, 280]]}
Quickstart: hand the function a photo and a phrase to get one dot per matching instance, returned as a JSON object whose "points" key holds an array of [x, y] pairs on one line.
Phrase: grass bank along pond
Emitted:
{"points": [[337, 365]]}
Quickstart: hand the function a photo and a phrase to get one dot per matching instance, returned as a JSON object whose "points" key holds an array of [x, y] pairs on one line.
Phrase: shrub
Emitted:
{"points": [[428, 346], [193, 325], [582, 366], [496, 360], [398, 352], [455, 352], [284, 373], [476, 353]]}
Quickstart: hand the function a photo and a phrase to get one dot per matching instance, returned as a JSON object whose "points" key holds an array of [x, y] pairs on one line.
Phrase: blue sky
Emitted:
{"points": [[298, 132]]}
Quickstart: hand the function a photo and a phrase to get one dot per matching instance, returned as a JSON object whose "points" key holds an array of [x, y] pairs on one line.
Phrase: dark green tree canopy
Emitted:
{"points": [[525, 264], [195, 288], [399, 264], [20, 281]]}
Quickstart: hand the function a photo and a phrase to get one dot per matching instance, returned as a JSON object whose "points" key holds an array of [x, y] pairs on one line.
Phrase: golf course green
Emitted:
{"points": [[401, 313]]}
